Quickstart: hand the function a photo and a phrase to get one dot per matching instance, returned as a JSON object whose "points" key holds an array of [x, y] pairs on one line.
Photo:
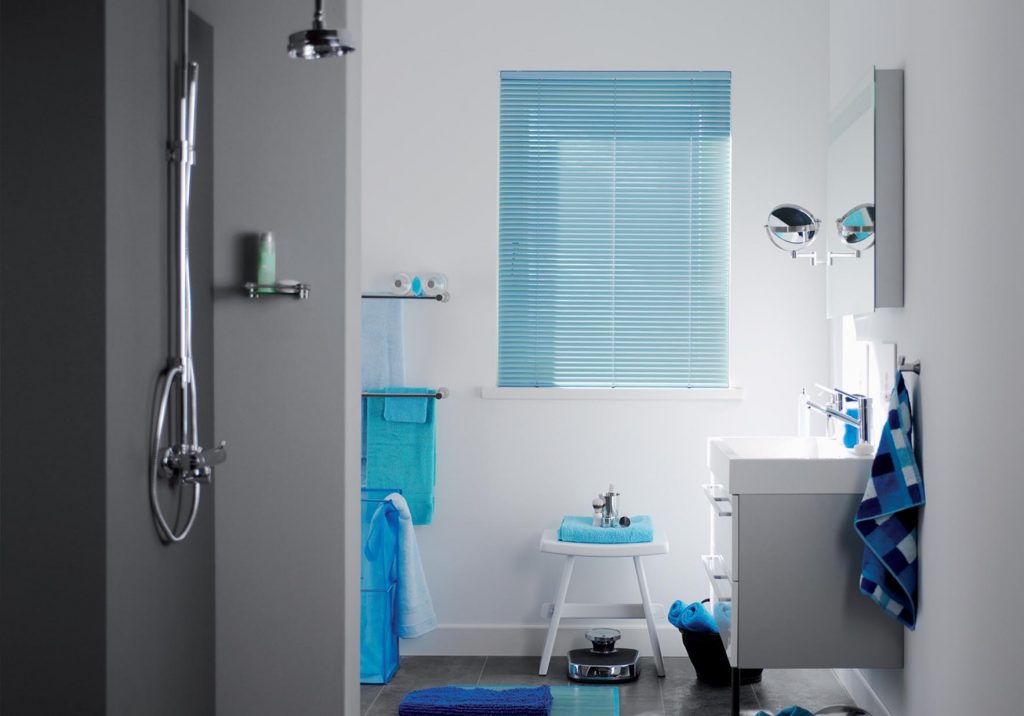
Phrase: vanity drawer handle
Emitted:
{"points": [[718, 575], [719, 499]]}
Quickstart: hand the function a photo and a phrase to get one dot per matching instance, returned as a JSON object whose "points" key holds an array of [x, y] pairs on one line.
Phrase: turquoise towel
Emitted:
{"points": [[692, 618], [401, 454], [581, 529], [788, 711], [408, 410]]}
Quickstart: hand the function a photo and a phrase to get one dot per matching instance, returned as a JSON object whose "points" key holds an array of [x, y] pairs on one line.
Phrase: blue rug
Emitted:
{"points": [[574, 700]]}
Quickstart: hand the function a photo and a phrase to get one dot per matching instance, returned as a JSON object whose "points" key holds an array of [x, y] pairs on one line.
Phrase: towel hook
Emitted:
{"points": [[906, 366]]}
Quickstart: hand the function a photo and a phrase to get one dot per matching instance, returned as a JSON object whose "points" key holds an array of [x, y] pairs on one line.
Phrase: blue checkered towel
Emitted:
{"points": [[887, 517]]}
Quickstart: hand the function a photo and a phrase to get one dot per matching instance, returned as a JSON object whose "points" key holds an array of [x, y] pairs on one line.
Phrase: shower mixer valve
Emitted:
{"points": [[192, 464]]}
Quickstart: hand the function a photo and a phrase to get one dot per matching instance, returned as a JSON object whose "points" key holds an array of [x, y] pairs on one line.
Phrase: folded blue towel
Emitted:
{"points": [[402, 454], [887, 517], [414, 609], [582, 529], [788, 711], [527, 701], [691, 618], [408, 410]]}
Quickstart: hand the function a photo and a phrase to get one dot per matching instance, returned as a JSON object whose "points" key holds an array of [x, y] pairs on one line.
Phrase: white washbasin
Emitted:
{"points": [[787, 465]]}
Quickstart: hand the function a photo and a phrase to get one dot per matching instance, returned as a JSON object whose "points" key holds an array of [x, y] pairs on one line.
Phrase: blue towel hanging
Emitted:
{"points": [[887, 517]]}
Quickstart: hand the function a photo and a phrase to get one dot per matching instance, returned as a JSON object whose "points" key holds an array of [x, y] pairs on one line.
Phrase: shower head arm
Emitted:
{"points": [[318, 15]]}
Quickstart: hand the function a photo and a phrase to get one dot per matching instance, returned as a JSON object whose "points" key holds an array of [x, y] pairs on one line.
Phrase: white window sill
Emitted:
{"points": [[684, 394]]}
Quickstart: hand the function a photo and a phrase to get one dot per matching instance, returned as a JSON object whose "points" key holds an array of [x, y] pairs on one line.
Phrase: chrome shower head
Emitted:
{"points": [[319, 42]]}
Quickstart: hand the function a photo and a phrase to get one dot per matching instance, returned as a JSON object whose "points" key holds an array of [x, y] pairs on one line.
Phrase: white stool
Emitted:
{"points": [[550, 543]]}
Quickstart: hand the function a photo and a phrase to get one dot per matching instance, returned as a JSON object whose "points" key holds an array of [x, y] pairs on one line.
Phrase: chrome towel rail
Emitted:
{"points": [[439, 394], [441, 297]]}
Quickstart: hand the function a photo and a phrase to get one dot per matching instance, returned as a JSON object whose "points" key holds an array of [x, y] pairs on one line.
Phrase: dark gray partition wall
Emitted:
{"points": [[97, 616], [52, 360]]}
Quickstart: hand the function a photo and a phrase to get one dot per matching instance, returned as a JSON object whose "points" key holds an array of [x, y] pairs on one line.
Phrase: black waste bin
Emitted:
{"points": [[707, 654]]}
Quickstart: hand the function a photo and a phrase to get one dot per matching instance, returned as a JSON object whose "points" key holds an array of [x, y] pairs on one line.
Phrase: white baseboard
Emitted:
{"points": [[861, 692], [528, 640]]}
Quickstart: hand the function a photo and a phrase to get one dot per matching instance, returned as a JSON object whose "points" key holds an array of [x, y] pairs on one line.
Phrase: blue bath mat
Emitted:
{"points": [[574, 700]]}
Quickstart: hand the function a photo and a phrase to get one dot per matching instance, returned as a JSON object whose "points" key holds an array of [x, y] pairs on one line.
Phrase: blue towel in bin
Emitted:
{"points": [[691, 618], [582, 529], [525, 701], [788, 711], [887, 517]]}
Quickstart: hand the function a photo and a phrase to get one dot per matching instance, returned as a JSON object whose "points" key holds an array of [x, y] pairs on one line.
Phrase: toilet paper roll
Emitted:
{"points": [[401, 284]]}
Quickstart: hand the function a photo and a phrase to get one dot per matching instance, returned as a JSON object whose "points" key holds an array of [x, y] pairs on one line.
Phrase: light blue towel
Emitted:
{"points": [[383, 351], [414, 611], [582, 529], [692, 618], [402, 454]]}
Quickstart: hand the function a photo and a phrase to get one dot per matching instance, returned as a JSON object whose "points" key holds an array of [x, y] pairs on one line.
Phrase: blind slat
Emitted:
{"points": [[614, 229]]}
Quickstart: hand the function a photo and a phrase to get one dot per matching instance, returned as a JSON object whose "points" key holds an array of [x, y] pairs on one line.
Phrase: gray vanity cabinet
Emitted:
{"points": [[788, 567]]}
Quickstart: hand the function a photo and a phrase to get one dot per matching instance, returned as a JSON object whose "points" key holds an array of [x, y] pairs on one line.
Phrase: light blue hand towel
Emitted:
{"points": [[581, 529], [383, 348], [402, 454], [414, 613]]}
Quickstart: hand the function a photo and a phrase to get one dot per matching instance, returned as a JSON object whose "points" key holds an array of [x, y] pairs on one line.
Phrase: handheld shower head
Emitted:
{"points": [[318, 41]]}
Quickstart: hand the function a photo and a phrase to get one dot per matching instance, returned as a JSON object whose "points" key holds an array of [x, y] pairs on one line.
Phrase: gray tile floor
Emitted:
{"points": [[678, 694]]}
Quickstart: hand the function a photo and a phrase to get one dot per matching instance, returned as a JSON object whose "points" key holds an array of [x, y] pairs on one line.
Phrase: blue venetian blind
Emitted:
{"points": [[614, 229]]}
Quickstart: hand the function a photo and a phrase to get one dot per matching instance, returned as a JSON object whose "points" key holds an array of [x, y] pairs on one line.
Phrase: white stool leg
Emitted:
{"points": [[652, 629], [556, 615]]}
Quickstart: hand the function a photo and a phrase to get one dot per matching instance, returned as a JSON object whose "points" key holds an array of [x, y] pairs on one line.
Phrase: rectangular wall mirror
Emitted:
{"points": [[863, 225]]}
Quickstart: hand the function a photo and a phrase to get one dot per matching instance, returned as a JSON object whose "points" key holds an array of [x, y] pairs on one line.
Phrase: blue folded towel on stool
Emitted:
{"points": [[692, 618], [582, 529], [887, 517], [528, 701]]}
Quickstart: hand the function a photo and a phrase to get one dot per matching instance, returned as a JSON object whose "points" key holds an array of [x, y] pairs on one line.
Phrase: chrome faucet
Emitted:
{"points": [[836, 408]]}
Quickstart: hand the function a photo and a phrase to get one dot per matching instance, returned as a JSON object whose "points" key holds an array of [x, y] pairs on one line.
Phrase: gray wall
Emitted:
{"points": [[52, 293], [964, 99], [98, 617], [160, 599], [280, 364]]}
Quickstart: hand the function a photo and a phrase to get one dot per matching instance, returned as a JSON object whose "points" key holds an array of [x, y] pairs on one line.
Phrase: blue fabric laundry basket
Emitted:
{"points": [[378, 582]]}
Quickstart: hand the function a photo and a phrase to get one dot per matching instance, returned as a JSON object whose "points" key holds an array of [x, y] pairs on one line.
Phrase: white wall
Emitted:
{"points": [[964, 99], [508, 469]]}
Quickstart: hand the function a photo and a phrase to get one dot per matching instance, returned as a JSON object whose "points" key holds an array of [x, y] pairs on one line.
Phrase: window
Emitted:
{"points": [[614, 229]]}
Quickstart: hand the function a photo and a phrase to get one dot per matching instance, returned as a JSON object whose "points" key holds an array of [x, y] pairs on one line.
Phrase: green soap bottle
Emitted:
{"points": [[266, 266]]}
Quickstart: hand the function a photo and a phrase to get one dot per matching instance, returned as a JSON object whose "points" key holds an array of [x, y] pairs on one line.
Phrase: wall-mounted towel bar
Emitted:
{"points": [[909, 367], [439, 394], [440, 298]]}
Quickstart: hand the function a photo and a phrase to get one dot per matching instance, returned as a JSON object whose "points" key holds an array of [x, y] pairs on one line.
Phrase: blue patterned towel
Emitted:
{"points": [[788, 711], [528, 701], [582, 529], [887, 517]]}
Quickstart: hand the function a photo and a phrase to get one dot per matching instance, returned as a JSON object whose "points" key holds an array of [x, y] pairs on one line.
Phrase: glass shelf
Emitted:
{"points": [[296, 290]]}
